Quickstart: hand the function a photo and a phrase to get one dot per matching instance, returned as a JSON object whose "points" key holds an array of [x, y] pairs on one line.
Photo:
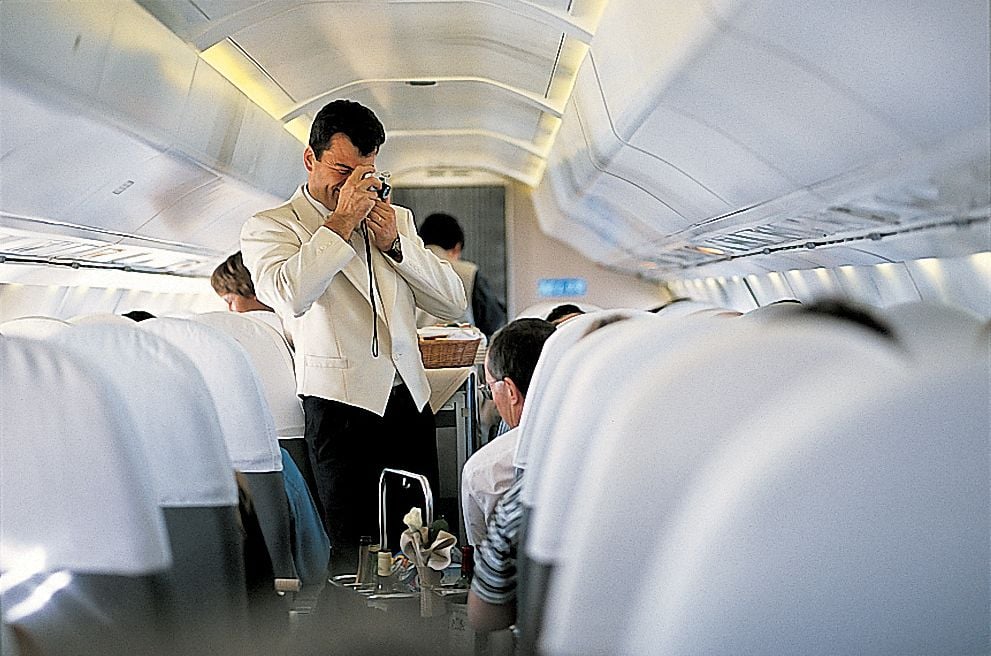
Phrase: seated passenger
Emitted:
{"points": [[310, 544], [509, 365], [232, 282]]}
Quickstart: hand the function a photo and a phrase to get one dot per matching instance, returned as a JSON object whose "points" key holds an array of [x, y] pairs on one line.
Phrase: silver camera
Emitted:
{"points": [[386, 188]]}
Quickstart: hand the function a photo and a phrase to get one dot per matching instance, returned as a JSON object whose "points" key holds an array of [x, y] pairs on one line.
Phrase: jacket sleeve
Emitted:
{"points": [[437, 289], [289, 273]]}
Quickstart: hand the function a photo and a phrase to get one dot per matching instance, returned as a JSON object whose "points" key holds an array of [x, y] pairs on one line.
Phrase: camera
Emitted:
{"points": [[386, 188]]}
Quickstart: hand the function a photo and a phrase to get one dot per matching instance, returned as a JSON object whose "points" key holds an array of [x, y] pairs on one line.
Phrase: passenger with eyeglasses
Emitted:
{"points": [[509, 363]]}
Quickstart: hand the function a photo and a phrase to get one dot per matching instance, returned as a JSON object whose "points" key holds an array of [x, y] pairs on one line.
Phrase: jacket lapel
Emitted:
{"points": [[310, 220]]}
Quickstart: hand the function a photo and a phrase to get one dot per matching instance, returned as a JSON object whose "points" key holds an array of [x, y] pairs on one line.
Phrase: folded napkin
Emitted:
{"points": [[464, 331], [437, 556]]}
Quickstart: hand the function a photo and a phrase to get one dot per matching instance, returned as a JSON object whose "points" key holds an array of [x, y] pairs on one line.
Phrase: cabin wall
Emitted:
{"points": [[964, 282], [64, 293], [533, 255]]}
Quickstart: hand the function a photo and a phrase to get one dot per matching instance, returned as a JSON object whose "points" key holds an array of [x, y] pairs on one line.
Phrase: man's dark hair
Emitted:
{"points": [[563, 311], [515, 349], [442, 230], [347, 117]]}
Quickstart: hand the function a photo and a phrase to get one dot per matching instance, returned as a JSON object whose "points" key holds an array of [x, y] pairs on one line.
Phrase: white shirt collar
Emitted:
{"points": [[317, 205]]}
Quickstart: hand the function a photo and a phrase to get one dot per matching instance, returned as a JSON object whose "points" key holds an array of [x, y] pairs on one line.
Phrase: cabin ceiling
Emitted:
{"points": [[669, 140]]}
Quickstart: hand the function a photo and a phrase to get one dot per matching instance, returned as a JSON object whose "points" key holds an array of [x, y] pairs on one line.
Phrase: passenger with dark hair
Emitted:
{"points": [[563, 312], [509, 365], [232, 282], [443, 235], [347, 267]]}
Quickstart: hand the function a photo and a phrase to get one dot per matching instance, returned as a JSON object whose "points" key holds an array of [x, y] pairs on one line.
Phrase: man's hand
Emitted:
{"points": [[382, 224], [355, 200]]}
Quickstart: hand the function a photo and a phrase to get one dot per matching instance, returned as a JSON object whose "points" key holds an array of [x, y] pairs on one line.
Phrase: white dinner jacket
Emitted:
{"points": [[318, 283]]}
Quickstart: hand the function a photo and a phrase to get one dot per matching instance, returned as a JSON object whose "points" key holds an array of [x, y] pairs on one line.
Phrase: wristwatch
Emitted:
{"points": [[396, 250]]}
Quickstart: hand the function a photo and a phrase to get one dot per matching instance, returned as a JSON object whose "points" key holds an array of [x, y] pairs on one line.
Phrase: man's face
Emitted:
{"points": [[328, 174]]}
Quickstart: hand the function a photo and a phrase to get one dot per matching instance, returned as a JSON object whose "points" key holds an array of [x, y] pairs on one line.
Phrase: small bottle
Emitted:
{"points": [[371, 567], [467, 567], [385, 582], [364, 542]]}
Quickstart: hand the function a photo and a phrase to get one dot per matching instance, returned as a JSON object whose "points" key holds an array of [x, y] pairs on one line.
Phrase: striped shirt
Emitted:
{"points": [[495, 558]]}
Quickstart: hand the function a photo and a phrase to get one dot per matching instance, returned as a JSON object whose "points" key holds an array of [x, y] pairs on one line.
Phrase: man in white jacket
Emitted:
{"points": [[346, 270]]}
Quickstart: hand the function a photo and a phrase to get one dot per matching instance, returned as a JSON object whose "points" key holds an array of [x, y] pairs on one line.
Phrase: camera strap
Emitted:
{"points": [[371, 291]]}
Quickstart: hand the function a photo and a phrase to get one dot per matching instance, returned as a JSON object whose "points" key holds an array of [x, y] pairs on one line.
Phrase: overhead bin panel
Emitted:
{"points": [[783, 113], [76, 42], [659, 175], [301, 47], [871, 50], [728, 174]]}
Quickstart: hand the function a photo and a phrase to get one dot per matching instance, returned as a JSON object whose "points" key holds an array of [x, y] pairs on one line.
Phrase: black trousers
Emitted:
{"points": [[348, 447]]}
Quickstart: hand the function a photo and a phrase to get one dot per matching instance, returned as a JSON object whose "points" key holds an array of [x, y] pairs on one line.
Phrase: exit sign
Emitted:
{"points": [[557, 287]]}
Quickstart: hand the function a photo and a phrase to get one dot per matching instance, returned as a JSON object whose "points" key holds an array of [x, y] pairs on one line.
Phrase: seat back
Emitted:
{"points": [[933, 332], [82, 539], [679, 411], [563, 338], [273, 363], [32, 327], [99, 318], [245, 421], [589, 378], [861, 527], [180, 432]]}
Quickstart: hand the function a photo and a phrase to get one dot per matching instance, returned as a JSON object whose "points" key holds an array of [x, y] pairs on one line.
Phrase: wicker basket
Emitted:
{"points": [[438, 353]]}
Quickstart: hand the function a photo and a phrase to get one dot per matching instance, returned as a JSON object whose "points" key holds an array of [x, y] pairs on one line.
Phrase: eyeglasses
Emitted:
{"points": [[486, 389]]}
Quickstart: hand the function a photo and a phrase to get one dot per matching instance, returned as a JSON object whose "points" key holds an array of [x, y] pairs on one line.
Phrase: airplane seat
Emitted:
{"points": [[672, 411], [529, 590], [32, 327], [858, 528], [686, 307], [249, 434], [82, 540], [178, 427], [273, 362], [933, 331], [773, 311], [587, 379]]}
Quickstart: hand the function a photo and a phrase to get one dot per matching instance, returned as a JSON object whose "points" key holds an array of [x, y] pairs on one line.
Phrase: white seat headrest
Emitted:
{"points": [[176, 421], [589, 381], [272, 361], [861, 530], [562, 339], [33, 327], [932, 331], [99, 318], [238, 396], [74, 491], [677, 411]]}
